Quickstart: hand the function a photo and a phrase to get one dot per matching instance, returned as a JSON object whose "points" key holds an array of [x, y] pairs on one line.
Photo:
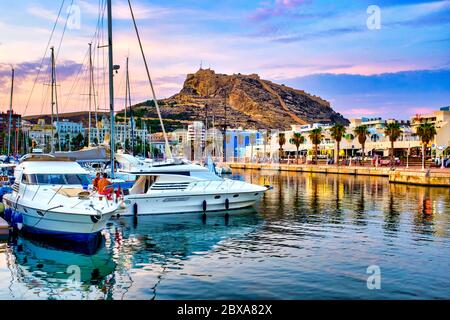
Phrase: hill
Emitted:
{"points": [[244, 100]]}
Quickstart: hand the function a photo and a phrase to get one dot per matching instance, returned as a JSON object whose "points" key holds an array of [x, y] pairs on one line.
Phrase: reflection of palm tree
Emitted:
{"points": [[315, 199], [338, 211], [360, 206], [391, 219]]}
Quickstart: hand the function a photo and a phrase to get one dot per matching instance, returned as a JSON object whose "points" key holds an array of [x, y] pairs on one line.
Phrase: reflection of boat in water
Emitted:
{"points": [[156, 238], [148, 248], [51, 265]]}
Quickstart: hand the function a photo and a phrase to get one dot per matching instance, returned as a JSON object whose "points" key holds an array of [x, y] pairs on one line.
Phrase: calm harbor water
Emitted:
{"points": [[312, 236]]}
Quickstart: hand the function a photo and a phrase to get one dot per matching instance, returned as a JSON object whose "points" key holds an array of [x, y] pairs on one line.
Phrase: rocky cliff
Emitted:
{"points": [[243, 100]]}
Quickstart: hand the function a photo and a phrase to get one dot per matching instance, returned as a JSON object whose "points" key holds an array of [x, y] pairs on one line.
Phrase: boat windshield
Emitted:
{"points": [[205, 175], [55, 178]]}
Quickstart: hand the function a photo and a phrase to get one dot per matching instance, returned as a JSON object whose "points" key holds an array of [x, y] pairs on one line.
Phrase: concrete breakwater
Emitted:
{"points": [[439, 178]]}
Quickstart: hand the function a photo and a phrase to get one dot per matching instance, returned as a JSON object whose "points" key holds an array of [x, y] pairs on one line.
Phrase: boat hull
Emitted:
{"points": [[147, 204], [76, 227]]}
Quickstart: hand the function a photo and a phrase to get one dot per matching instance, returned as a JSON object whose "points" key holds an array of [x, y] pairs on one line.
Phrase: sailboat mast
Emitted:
{"points": [[10, 111], [52, 147], [132, 123], [126, 103], [90, 93], [111, 86], [56, 101]]}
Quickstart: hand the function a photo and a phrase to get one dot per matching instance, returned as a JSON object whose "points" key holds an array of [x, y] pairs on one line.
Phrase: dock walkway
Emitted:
{"points": [[434, 177]]}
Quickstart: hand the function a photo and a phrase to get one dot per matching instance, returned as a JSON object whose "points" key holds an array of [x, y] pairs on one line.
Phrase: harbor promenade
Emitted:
{"points": [[429, 177]]}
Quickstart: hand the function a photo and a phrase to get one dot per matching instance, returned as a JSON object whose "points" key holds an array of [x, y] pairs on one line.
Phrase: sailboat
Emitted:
{"points": [[51, 195]]}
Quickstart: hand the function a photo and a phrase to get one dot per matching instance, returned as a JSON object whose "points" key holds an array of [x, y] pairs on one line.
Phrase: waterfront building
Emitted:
{"points": [[40, 134], [441, 120], [196, 143], [377, 143], [67, 130], [239, 139], [123, 132], [156, 147]]}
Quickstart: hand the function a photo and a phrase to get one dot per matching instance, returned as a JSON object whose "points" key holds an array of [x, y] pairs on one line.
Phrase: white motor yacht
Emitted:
{"points": [[51, 197], [177, 187]]}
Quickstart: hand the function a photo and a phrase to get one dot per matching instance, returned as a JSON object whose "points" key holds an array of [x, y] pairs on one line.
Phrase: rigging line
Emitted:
{"points": [[64, 31], [43, 57], [168, 153], [44, 97], [82, 65]]}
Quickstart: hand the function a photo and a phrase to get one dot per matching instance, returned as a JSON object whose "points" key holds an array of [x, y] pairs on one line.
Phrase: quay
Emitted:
{"points": [[429, 177]]}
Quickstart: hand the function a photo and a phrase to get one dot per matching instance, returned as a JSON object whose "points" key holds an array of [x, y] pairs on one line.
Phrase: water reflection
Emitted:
{"points": [[318, 198], [311, 237], [52, 270]]}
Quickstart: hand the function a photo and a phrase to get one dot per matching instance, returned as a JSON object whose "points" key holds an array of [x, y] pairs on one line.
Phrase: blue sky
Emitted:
{"points": [[323, 47]]}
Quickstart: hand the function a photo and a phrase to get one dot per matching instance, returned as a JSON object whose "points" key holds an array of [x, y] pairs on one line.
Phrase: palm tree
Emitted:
{"points": [[393, 131], [362, 132], [426, 132], [297, 139], [281, 142], [316, 137], [337, 132]]}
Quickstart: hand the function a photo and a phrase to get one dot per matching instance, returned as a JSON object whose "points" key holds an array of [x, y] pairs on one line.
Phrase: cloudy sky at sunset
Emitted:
{"points": [[323, 47]]}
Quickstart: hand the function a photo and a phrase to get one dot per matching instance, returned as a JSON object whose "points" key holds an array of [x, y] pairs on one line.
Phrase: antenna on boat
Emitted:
{"points": [[111, 86], [10, 111]]}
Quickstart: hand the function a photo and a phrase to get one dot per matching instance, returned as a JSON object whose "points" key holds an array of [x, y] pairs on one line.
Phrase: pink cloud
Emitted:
{"points": [[362, 112], [422, 110], [278, 8]]}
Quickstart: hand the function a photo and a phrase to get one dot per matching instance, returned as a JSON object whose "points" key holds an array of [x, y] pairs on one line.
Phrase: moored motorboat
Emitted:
{"points": [[51, 198], [178, 187]]}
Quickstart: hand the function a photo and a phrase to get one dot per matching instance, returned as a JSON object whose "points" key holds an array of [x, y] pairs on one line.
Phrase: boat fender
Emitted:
{"points": [[16, 220], [19, 220], [227, 204], [96, 219], [8, 213], [135, 209], [204, 205]]}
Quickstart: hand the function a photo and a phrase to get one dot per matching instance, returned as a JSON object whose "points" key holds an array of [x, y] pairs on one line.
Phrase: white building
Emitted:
{"points": [[67, 130], [40, 134], [123, 132]]}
